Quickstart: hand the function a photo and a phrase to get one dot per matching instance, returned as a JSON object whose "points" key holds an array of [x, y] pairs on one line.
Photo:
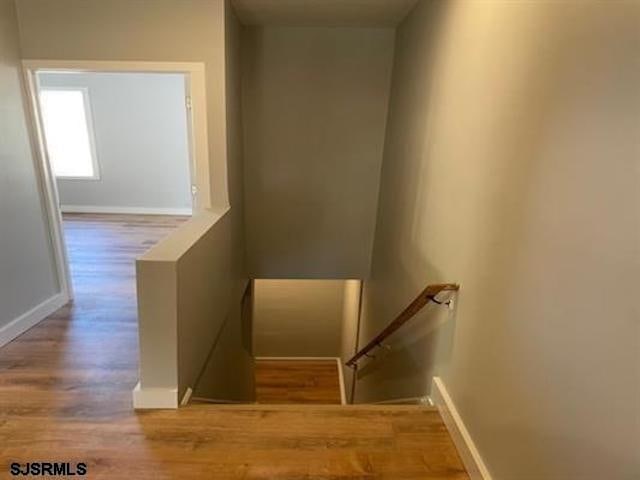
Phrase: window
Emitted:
{"points": [[68, 134]]}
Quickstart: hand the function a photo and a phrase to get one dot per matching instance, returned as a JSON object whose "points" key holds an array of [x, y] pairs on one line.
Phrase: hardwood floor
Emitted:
{"points": [[297, 381], [65, 396]]}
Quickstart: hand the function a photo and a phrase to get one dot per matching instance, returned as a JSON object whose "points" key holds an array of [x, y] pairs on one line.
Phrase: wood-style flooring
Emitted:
{"points": [[65, 396], [297, 381]]}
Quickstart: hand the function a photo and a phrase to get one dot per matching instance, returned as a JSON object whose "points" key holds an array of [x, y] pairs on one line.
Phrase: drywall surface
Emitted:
{"points": [[350, 317], [298, 318], [512, 166], [323, 13], [189, 310], [234, 142], [314, 103], [27, 273], [219, 381], [140, 127], [209, 308]]}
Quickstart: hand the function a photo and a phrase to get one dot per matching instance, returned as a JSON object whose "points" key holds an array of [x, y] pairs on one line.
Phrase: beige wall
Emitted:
{"points": [[228, 373], [189, 303], [315, 103], [234, 141], [517, 176], [350, 317], [27, 273], [298, 318], [209, 315]]}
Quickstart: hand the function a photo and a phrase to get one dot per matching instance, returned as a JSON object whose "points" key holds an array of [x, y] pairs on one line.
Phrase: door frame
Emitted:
{"points": [[197, 131]]}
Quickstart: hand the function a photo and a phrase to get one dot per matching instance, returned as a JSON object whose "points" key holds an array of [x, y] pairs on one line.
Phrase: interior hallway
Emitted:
{"points": [[65, 395]]}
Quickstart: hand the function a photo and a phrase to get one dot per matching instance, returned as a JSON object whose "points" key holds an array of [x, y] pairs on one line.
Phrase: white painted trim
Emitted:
{"points": [[111, 66], [124, 210], [343, 392], [154, 398], [31, 318], [48, 187], [186, 397], [473, 462]]}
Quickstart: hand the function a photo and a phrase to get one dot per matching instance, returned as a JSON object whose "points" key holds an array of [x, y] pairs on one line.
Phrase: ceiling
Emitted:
{"points": [[360, 13]]}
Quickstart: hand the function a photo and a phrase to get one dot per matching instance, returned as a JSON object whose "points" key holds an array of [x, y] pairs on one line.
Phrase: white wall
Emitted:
{"points": [[517, 174], [27, 274], [315, 103], [298, 318], [140, 127]]}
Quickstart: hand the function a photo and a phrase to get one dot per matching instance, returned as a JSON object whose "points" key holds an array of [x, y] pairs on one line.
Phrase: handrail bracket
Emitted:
{"points": [[438, 302], [427, 295]]}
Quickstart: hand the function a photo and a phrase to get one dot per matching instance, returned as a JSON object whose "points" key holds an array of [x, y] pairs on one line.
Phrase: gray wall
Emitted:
{"points": [[140, 126], [517, 174], [315, 102], [27, 274], [294, 318]]}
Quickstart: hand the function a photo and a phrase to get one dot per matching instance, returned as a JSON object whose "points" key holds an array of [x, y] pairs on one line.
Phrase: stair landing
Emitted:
{"points": [[297, 382], [323, 442]]}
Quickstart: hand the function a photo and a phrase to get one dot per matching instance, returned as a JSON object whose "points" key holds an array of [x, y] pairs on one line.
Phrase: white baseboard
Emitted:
{"points": [[124, 210], [186, 397], [29, 319], [147, 398], [467, 449], [343, 391]]}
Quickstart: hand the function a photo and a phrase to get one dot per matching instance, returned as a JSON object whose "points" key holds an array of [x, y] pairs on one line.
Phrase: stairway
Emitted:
{"points": [[281, 381], [318, 442]]}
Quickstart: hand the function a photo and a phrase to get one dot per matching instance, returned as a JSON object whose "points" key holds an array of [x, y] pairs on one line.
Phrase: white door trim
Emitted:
{"points": [[195, 90]]}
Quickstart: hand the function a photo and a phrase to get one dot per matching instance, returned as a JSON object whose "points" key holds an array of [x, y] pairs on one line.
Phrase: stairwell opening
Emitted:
{"points": [[303, 333], [300, 334]]}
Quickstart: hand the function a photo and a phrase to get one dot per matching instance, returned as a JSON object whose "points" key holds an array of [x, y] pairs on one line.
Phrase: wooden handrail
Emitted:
{"points": [[426, 296]]}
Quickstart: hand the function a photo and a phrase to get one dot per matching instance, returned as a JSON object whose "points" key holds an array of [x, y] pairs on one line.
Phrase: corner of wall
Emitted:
{"points": [[29, 319]]}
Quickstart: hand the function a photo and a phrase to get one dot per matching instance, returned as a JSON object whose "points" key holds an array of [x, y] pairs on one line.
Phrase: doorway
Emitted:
{"points": [[119, 143]]}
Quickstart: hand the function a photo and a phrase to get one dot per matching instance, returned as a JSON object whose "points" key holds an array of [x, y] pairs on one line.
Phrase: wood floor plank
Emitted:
{"points": [[65, 395], [297, 381]]}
